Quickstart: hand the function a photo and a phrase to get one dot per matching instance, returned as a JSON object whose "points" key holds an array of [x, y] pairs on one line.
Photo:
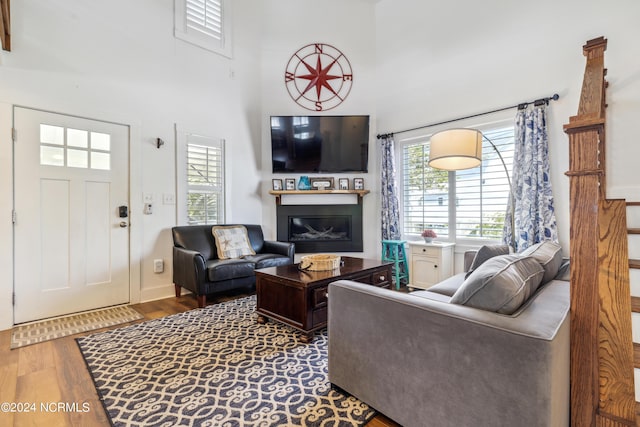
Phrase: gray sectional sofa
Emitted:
{"points": [[424, 361]]}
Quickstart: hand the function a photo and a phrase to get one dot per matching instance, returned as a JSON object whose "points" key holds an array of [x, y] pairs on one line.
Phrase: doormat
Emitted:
{"points": [[217, 366], [50, 329]]}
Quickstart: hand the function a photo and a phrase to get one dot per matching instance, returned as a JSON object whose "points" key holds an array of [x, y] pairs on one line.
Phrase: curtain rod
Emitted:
{"points": [[520, 106]]}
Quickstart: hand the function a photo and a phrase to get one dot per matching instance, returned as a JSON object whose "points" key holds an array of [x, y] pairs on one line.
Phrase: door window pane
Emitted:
{"points": [[51, 134], [51, 156], [77, 158], [77, 138], [77, 151], [100, 141]]}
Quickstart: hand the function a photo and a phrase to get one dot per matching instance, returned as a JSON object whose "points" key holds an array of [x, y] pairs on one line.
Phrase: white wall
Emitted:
{"points": [[414, 63], [288, 26], [119, 61], [440, 60]]}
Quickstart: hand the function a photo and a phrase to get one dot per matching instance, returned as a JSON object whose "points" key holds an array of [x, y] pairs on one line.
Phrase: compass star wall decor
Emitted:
{"points": [[318, 77]]}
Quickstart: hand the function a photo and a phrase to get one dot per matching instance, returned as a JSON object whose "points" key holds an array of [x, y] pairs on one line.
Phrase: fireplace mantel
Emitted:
{"points": [[280, 193], [321, 223]]}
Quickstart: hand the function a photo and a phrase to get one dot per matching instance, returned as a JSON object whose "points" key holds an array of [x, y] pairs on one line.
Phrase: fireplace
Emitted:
{"points": [[321, 228]]}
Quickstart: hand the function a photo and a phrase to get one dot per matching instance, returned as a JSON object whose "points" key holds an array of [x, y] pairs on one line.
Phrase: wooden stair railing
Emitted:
{"points": [[5, 25], [602, 352], [635, 307]]}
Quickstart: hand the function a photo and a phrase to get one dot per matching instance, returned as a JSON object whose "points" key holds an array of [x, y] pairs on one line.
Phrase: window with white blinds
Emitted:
{"points": [[482, 193], [466, 204], [205, 23], [425, 192], [205, 182]]}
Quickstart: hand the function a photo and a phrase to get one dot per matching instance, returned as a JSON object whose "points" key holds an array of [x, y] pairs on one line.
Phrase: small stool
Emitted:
{"points": [[393, 250]]}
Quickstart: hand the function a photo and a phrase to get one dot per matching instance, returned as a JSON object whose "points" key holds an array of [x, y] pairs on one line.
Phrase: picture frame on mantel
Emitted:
{"points": [[358, 183], [343, 183], [290, 184], [324, 183], [276, 184]]}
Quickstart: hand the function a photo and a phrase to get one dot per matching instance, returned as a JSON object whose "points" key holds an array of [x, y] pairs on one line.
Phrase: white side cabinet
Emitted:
{"points": [[430, 263]]}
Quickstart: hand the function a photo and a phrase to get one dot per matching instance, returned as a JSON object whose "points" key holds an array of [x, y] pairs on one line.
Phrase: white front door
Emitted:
{"points": [[71, 253]]}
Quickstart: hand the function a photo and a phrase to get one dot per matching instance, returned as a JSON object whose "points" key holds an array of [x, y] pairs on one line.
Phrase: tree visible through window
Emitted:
{"points": [[426, 192], [205, 183], [467, 204]]}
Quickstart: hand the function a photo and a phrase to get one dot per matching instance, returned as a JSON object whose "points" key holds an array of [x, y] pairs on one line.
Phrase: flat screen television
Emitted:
{"points": [[308, 144]]}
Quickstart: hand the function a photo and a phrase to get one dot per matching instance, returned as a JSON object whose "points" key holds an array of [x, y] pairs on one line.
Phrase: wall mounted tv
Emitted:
{"points": [[308, 144]]}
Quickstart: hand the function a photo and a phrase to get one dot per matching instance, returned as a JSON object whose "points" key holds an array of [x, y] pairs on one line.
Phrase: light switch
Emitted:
{"points": [[169, 199]]}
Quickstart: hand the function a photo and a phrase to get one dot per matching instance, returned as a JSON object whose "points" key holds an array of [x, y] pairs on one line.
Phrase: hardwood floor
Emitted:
{"points": [[36, 378]]}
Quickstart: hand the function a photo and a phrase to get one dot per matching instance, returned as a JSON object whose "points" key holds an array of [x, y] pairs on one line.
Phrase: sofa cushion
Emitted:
{"points": [[485, 253], [564, 272], [433, 296], [232, 241], [448, 286], [549, 255], [226, 269], [268, 260], [255, 237], [195, 238], [501, 284]]}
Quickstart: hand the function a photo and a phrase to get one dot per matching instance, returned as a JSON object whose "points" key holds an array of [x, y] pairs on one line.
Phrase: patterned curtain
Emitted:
{"points": [[390, 211], [533, 211]]}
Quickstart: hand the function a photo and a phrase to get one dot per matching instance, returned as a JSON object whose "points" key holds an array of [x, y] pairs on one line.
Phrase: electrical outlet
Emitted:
{"points": [[147, 198], [158, 266]]}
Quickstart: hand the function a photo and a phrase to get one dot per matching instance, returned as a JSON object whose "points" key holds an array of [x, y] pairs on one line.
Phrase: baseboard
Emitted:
{"points": [[159, 292]]}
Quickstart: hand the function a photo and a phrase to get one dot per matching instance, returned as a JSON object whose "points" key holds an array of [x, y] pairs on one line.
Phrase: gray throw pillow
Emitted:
{"points": [[501, 284], [549, 255], [487, 252]]}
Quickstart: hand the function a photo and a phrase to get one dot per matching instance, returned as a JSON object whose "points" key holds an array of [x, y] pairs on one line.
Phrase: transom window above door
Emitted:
{"points": [[74, 148]]}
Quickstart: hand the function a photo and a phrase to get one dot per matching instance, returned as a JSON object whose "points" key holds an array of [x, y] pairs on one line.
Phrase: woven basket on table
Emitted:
{"points": [[319, 262]]}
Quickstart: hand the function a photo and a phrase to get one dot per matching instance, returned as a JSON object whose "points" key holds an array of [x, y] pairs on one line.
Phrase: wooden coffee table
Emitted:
{"points": [[299, 298]]}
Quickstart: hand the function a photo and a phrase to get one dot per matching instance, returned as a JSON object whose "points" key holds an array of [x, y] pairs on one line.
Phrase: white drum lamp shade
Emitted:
{"points": [[455, 149]]}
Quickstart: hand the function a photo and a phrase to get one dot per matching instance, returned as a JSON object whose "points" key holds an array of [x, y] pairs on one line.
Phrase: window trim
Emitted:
{"points": [[183, 136], [423, 135], [222, 46]]}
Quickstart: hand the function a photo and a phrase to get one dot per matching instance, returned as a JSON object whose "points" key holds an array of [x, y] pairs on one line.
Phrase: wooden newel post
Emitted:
{"points": [[602, 392]]}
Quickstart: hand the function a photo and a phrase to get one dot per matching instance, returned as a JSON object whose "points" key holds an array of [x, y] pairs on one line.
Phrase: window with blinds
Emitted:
{"points": [[482, 193], [205, 23], [466, 204], [205, 183], [425, 192]]}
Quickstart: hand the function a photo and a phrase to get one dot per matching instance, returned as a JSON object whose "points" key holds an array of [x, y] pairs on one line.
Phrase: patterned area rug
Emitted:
{"points": [[216, 366], [50, 329]]}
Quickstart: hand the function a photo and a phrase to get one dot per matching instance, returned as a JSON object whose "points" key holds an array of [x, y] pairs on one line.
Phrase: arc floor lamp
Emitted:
{"points": [[458, 149]]}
